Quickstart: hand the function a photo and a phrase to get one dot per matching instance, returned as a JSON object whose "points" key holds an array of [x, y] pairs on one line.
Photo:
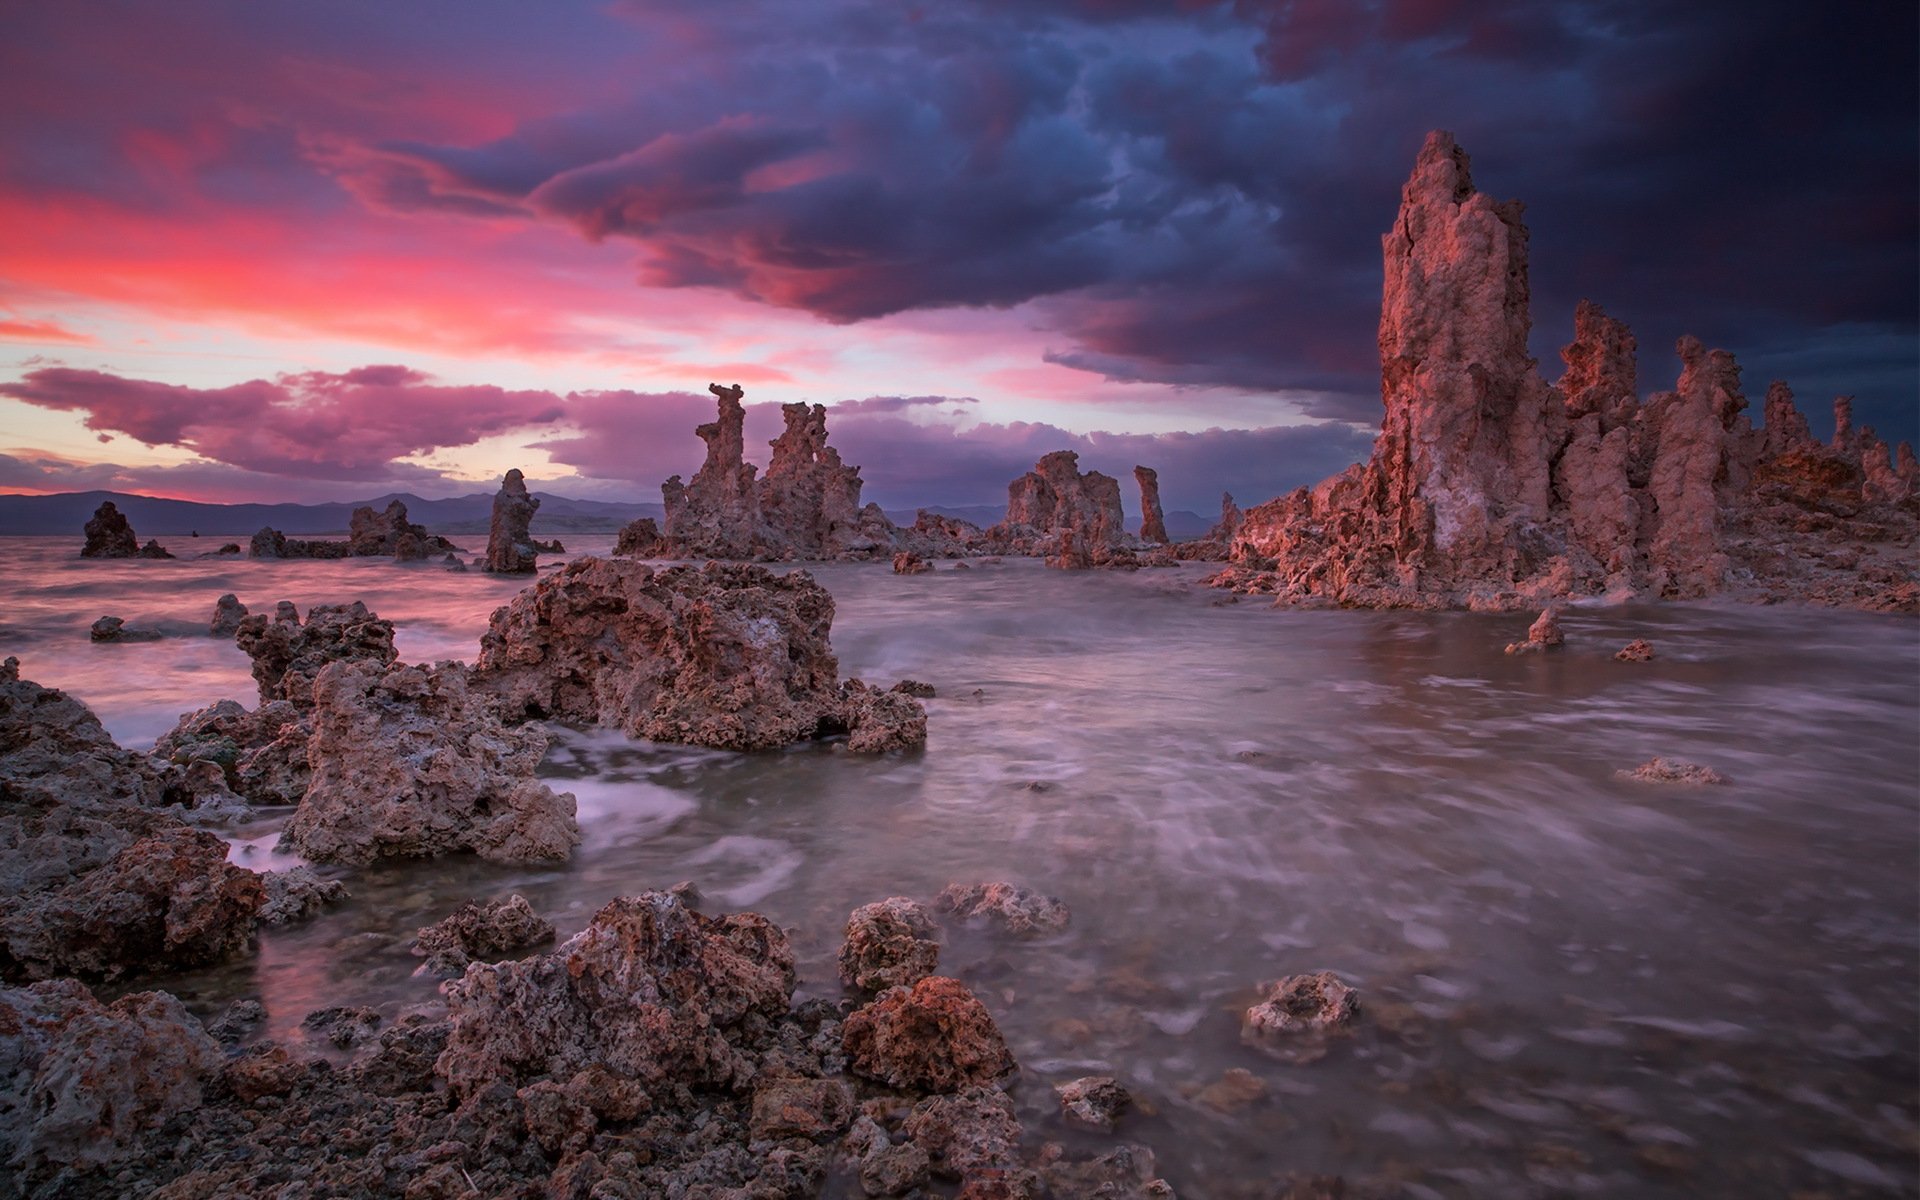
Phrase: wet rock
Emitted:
{"points": [[1236, 1088], [270, 543], [933, 1037], [1015, 910], [114, 629], [480, 931], [1298, 1012], [967, 1134], [109, 535], [298, 894], [639, 539], [890, 1169], [287, 654], [1153, 520], [262, 753], [788, 1107], [1637, 650], [86, 1080], [1672, 770], [889, 943], [153, 549], [409, 762], [388, 533], [734, 657], [650, 991], [346, 1026], [1542, 635], [914, 688], [1095, 1101], [265, 1070], [228, 612], [1071, 519], [238, 1020], [1127, 1172], [908, 563], [510, 548]]}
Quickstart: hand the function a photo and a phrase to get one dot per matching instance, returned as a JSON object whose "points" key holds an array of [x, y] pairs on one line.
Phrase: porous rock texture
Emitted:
{"points": [[1070, 518], [407, 761], [481, 931], [99, 875], [109, 534], [298, 893], [1016, 910], [1153, 519], [262, 753], [228, 612], [1298, 1014], [935, 1036], [1489, 489], [288, 654], [889, 943], [1637, 650], [1673, 770], [1544, 634], [725, 655], [510, 547]]}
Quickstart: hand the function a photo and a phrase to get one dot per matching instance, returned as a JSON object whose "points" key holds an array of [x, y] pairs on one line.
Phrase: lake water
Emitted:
{"points": [[1571, 983]]}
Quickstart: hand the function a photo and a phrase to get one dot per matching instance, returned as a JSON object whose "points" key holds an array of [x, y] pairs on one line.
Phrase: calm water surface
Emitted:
{"points": [[1572, 983]]}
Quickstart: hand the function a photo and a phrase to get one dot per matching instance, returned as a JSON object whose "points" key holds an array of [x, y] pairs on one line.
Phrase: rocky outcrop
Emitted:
{"points": [[908, 563], [109, 535], [99, 876], [1070, 518], [1673, 770], [1094, 1101], [262, 753], [297, 894], [481, 931], [85, 1080], [730, 656], [288, 654], [889, 943], [1544, 634], [935, 1036], [1153, 521], [271, 543], [116, 629], [1638, 650], [510, 547], [153, 549], [408, 762], [371, 533], [228, 612], [640, 539], [1489, 489]]}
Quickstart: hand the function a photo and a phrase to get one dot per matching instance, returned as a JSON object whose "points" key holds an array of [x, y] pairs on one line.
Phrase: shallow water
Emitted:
{"points": [[1572, 983]]}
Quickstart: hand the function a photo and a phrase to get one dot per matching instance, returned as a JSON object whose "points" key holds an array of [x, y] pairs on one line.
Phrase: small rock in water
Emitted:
{"points": [[1638, 650], [298, 893], [345, 1026], [1298, 1013], [1096, 1101], [1015, 909], [914, 688], [1672, 770], [114, 629], [480, 932], [908, 563], [228, 612], [1233, 1091], [890, 943], [1542, 634]]}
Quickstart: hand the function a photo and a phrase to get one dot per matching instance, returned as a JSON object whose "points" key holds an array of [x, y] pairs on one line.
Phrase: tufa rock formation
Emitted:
{"points": [[1073, 520], [109, 535], [510, 548], [287, 654], [228, 612], [730, 656], [889, 943], [1153, 521], [370, 534], [1488, 488], [481, 932]]}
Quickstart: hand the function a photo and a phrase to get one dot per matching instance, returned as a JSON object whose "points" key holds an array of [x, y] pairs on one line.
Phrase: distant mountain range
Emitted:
{"points": [[67, 512]]}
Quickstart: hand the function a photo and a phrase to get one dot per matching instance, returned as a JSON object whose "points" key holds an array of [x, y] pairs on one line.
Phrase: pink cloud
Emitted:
{"points": [[41, 331]]}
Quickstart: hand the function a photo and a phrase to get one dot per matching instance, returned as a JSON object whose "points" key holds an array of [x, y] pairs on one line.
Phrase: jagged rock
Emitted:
{"points": [[153, 549], [85, 1080], [810, 500], [262, 753], [887, 1168], [934, 1037], [890, 943], [109, 535], [1672, 770], [1542, 635], [287, 655], [1071, 519], [1637, 650], [114, 629], [409, 762], [640, 539], [481, 932], [510, 548], [1153, 521], [933, 535], [297, 894], [1298, 1013], [914, 688], [728, 656], [650, 991], [1127, 1172], [345, 1025], [967, 1134], [389, 534], [1016, 910], [908, 563], [1096, 1101], [95, 878], [228, 612], [271, 543], [788, 1107]]}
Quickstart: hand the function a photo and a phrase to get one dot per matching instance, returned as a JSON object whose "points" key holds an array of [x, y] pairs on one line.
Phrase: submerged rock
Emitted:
{"points": [[109, 535], [114, 629], [935, 1036], [481, 931], [1096, 1101], [889, 943], [730, 656], [287, 655], [1637, 650], [1543, 634], [510, 548], [1673, 770], [228, 612], [153, 549], [1014, 909], [409, 762], [298, 894]]}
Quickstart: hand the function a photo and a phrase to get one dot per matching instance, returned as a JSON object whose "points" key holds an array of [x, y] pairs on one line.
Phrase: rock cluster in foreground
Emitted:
{"points": [[1489, 488]]}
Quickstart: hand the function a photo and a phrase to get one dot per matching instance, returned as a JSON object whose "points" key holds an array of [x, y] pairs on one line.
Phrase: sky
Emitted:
{"points": [[258, 250]]}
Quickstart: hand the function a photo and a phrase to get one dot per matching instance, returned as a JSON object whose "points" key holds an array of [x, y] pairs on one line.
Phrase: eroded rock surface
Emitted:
{"points": [[298, 894], [1016, 910], [510, 547], [407, 761], [1298, 1014], [288, 654], [1673, 770], [1070, 518], [1489, 489], [481, 931], [889, 943], [228, 612], [261, 753], [730, 656], [109, 534], [1153, 520], [1637, 650], [935, 1036]]}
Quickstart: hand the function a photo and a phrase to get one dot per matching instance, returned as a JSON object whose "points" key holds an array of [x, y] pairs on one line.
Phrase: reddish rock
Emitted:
{"points": [[967, 1134], [510, 547], [1071, 519], [1543, 634], [933, 1037], [1153, 520], [1016, 910], [908, 563], [889, 943], [388, 533], [640, 539], [1096, 1101], [297, 894], [1299, 1013], [262, 753], [480, 931], [228, 612], [409, 762], [877, 721], [109, 535], [788, 1107], [1637, 650], [87, 1080], [1672, 770], [287, 655]]}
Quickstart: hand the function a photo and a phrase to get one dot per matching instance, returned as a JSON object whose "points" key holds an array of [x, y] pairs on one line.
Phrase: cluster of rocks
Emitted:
{"points": [[110, 535], [370, 534], [1489, 488], [1071, 518]]}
